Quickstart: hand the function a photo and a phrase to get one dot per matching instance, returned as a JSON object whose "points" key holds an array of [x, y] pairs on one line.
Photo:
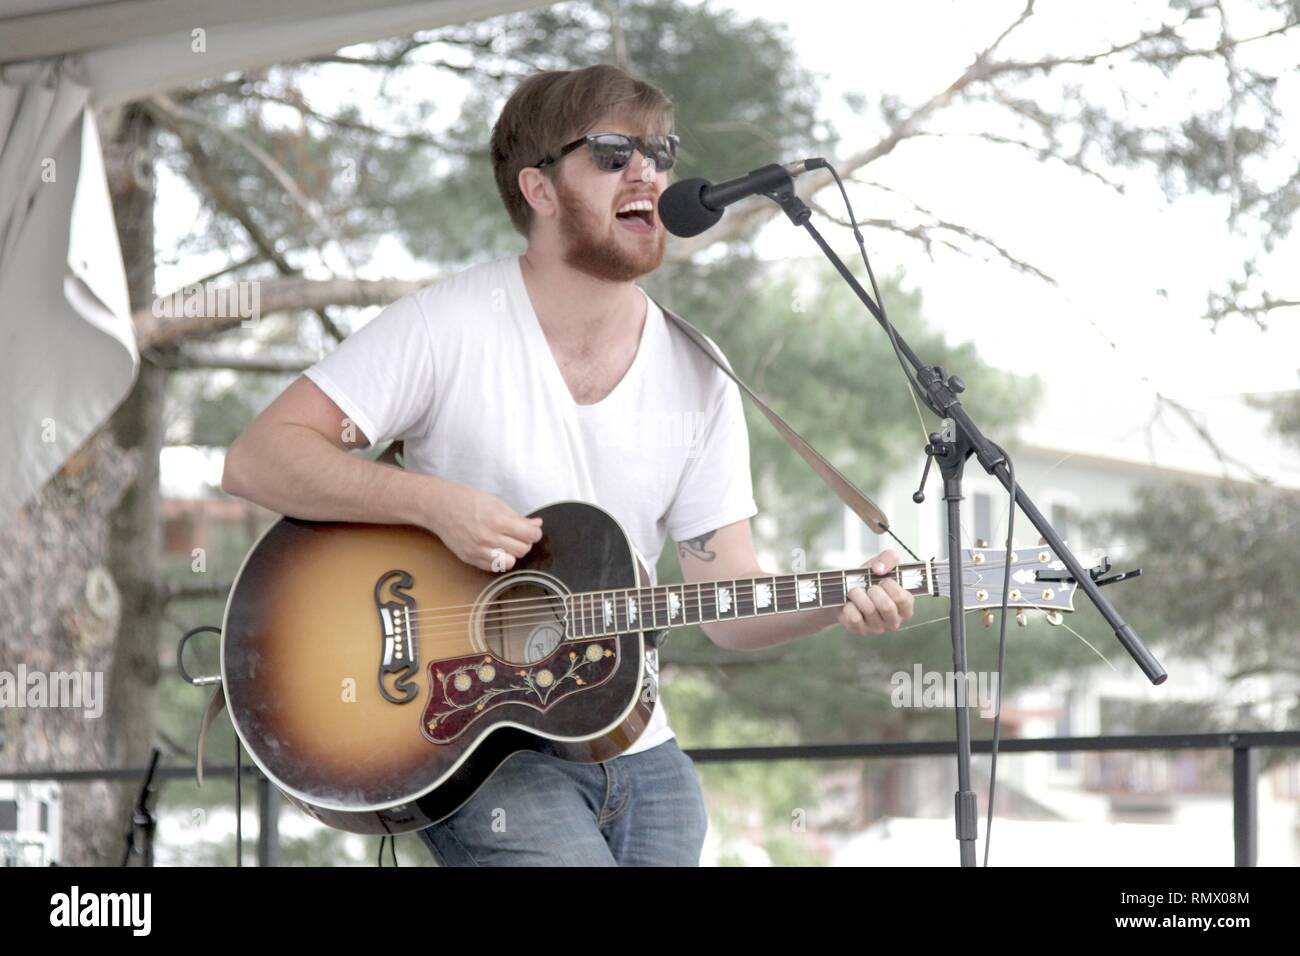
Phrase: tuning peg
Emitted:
{"points": [[981, 542], [988, 618], [1055, 618], [1021, 619], [1042, 541]]}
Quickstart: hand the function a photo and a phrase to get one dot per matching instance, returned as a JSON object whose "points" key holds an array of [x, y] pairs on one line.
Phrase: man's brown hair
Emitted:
{"points": [[550, 109]]}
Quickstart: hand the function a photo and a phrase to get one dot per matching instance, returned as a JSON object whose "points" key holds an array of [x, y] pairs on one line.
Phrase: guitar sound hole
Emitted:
{"points": [[523, 622]]}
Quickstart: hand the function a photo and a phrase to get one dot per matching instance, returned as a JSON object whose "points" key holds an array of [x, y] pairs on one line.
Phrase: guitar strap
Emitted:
{"points": [[845, 490]]}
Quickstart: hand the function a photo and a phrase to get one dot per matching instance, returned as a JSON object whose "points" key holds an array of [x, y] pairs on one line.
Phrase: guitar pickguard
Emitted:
{"points": [[463, 688]]}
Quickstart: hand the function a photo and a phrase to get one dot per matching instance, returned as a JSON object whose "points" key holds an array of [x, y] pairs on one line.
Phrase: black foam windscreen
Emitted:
{"points": [[683, 212]]}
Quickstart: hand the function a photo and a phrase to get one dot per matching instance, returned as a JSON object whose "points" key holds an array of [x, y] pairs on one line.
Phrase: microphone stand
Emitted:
{"points": [[142, 818], [960, 438]]}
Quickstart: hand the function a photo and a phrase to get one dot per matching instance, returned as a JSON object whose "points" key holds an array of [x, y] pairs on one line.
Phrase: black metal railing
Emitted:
{"points": [[1245, 747]]}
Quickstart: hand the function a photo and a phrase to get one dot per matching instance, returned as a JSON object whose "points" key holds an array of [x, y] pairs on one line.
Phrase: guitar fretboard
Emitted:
{"points": [[603, 613]]}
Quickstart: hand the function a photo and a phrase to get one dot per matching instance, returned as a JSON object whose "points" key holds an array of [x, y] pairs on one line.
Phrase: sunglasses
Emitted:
{"points": [[613, 151]]}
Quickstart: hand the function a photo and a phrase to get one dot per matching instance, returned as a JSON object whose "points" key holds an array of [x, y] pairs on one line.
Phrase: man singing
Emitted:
{"points": [[539, 378]]}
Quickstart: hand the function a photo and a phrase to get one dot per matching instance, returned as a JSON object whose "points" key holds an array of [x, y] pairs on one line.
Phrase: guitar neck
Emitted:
{"points": [[604, 613]]}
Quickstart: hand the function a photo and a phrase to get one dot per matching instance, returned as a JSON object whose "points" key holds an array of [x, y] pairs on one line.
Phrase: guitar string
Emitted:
{"points": [[459, 645], [541, 605], [659, 611], [542, 608], [791, 585], [653, 618]]}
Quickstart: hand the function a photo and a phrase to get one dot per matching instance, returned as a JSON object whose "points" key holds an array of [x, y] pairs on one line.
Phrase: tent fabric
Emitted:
{"points": [[67, 349]]}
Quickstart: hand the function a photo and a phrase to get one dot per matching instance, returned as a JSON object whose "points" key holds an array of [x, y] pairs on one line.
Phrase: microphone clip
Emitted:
{"points": [[783, 195]]}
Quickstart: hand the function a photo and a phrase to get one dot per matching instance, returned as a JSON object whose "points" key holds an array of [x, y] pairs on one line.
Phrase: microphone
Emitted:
{"points": [[689, 207]]}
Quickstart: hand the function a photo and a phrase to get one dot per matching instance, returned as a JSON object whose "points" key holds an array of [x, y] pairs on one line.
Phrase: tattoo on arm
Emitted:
{"points": [[695, 547]]}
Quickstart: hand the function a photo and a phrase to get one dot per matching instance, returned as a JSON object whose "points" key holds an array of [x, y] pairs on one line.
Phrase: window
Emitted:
{"points": [[980, 522], [8, 815]]}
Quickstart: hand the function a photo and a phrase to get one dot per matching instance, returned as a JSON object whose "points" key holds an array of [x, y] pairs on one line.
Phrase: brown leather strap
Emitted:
{"points": [[845, 490], [215, 704]]}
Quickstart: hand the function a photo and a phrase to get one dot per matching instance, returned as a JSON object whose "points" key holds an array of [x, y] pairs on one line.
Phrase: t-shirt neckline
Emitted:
{"points": [[534, 329]]}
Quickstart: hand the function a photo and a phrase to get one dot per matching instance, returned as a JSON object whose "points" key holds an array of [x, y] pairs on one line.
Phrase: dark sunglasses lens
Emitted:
{"points": [[611, 152], [663, 151]]}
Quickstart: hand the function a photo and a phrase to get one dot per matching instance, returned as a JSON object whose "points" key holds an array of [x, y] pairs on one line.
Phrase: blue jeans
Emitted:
{"points": [[646, 809]]}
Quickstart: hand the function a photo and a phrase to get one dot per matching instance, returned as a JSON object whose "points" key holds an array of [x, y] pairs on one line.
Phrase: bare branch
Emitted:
{"points": [[221, 196], [955, 228], [195, 360], [1203, 433], [398, 58], [1223, 306], [1224, 47], [1025, 14], [746, 218], [297, 102], [226, 270], [277, 171], [1040, 152], [173, 119]]}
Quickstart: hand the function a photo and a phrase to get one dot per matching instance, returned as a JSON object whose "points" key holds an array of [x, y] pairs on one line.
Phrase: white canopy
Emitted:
{"points": [[67, 348]]}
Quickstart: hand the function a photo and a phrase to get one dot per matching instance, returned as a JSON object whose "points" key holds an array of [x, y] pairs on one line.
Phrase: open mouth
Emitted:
{"points": [[639, 217]]}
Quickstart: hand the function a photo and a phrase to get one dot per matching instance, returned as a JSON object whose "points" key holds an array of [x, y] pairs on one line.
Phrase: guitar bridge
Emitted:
{"points": [[399, 661]]}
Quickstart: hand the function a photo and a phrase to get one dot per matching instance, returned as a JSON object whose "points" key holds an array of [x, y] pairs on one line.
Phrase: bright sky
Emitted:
{"points": [[1110, 253]]}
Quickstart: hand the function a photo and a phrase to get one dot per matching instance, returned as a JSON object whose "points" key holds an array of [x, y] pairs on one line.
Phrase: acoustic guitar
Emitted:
{"points": [[378, 680]]}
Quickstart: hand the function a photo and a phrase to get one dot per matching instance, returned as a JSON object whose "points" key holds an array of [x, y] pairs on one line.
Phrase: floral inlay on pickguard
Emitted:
{"points": [[462, 688]]}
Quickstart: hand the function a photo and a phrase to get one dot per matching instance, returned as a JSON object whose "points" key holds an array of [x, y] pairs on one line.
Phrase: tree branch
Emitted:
{"points": [[747, 217], [921, 232], [173, 118], [297, 102], [186, 360], [1041, 153]]}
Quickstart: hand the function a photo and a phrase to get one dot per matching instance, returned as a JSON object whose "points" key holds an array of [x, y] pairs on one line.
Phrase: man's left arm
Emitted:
{"points": [[728, 553]]}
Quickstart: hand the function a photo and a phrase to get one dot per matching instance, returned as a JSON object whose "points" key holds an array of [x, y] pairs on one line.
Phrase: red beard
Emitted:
{"points": [[592, 247]]}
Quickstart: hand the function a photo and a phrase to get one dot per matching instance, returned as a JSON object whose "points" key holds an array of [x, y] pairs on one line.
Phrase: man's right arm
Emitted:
{"points": [[294, 459]]}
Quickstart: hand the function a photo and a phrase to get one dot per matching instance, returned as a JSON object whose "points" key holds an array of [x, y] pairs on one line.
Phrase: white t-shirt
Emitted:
{"points": [[462, 372]]}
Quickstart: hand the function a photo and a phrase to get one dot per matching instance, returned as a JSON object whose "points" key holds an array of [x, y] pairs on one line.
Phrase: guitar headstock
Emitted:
{"points": [[983, 570]]}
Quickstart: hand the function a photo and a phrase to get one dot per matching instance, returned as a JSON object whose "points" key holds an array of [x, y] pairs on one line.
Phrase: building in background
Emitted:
{"points": [[1082, 456]]}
